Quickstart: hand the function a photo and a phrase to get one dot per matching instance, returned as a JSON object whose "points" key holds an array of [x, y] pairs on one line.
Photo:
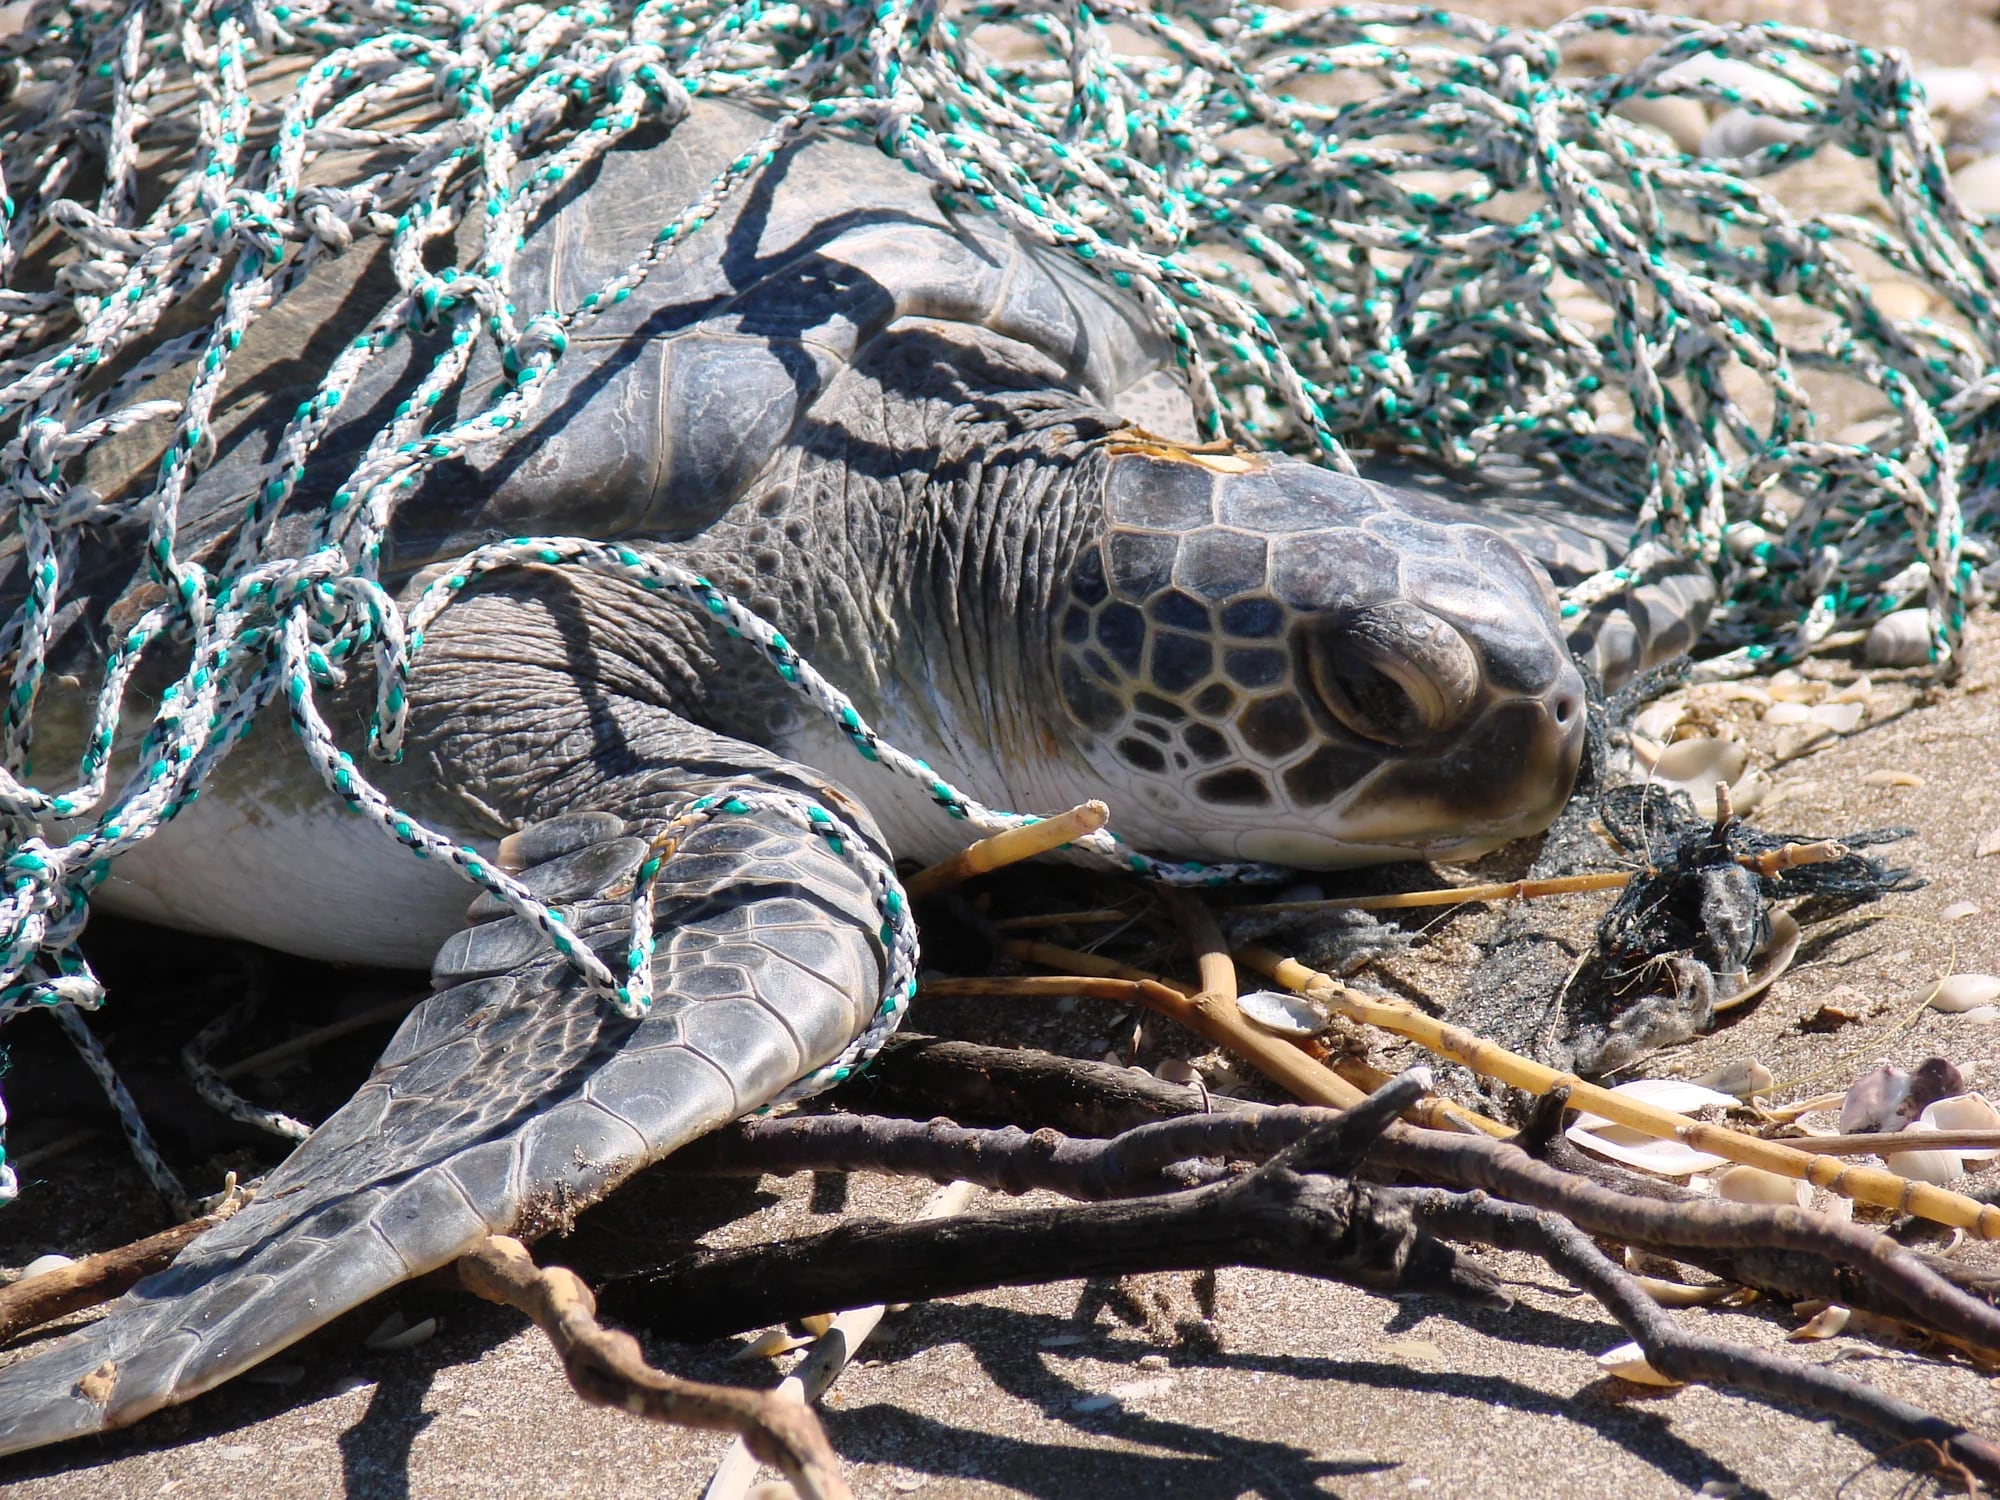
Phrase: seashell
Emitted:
{"points": [[1656, 721], [1955, 91], [1176, 1070], [1282, 1014], [1892, 778], [1824, 1324], [1861, 690], [1989, 844], [1977, 185], [1958, 911], [396, 1332], [1789, 687], [1742, 1079], [1784, 712], [1963, 992], [1634, 1148], [1901, 639], [1887, 1098], [1839, 1209], [1935, 1167], [1841, 718], [1964, 1112], [770, 1344], [1740, 132], [1628, 1362], [1755, 1185], [1981, 1015], [1747, 793], [1695, 765], [41, 1265], [1680, 119], [1900, 301], [1768, 962]]}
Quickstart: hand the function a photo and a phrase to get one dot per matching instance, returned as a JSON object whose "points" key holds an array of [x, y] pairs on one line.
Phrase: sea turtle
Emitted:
{"points": [[907, 437]]}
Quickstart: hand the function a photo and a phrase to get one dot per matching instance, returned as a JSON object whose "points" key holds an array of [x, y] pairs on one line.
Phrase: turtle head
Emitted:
{"points": [[1266, 660]]}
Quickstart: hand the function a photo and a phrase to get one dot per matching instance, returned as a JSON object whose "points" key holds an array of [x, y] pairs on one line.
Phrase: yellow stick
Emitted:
{"points": [[1785, 857], [1008, 848], [1869, 1185]]}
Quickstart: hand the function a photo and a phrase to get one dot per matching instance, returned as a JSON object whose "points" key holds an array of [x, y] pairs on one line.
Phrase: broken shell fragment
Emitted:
{"points": [[1628, 1362], [1282, 1014], [1958, 911], [1824, 1324], [1694, 766], [1962, 992], [1742, 1079], [1645, 1153]]}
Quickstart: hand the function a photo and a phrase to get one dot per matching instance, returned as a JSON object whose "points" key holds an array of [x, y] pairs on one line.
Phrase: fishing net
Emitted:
{"points": [[1362, 225]]}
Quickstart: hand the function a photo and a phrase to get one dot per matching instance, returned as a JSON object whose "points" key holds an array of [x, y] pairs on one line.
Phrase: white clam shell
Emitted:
{"points": [[1964, 1112], [1282, 1014], [1935, 1167], [1633, 1148], [1695, 765], [1955, 91], [1963, 992], [1628, 1362], [1958, 911], [1977, 185], [1841, 718], [1755, 1185], [1787, 713]]}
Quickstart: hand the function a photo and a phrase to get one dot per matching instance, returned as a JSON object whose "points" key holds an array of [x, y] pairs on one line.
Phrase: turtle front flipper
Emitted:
{"points": [[510, 1098]]}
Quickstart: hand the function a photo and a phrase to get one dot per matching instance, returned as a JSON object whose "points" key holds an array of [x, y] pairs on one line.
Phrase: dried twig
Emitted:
{"points": [[1863, 1184], [1679, 1355], [1770, 863], [97, 1278], [606, 1368], [1007, 848]]}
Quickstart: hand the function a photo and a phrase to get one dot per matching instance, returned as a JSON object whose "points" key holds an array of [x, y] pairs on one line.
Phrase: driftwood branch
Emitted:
{"points": [[1680, 1355], [1293, 1213], [606, 1367]]}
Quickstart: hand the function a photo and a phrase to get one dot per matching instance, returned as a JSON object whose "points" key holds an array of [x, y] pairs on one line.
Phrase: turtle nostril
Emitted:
{"points": [[1565, 708]]}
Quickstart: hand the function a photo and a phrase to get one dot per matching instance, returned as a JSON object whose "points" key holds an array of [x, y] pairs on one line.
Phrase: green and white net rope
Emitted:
{"points": [[1264, 183]]}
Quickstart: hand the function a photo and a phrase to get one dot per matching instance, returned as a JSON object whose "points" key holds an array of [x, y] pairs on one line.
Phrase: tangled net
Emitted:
{"points": [[1364, 223]]}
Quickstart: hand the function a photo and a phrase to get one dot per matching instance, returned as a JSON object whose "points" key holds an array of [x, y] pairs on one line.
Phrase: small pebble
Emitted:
{"points": [[1088, 1404], [1153, 1362], [41, 1265]]}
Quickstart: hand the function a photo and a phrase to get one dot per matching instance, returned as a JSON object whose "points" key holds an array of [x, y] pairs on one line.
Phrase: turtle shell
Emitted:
{"points": [[665, 407]]}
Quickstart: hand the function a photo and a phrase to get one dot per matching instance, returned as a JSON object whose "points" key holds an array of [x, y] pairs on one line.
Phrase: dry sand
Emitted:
{"points": [[1261, 1385]]}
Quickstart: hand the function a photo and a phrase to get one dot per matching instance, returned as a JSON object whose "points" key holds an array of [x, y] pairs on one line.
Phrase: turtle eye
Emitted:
{"points": [[1393, 673]]}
